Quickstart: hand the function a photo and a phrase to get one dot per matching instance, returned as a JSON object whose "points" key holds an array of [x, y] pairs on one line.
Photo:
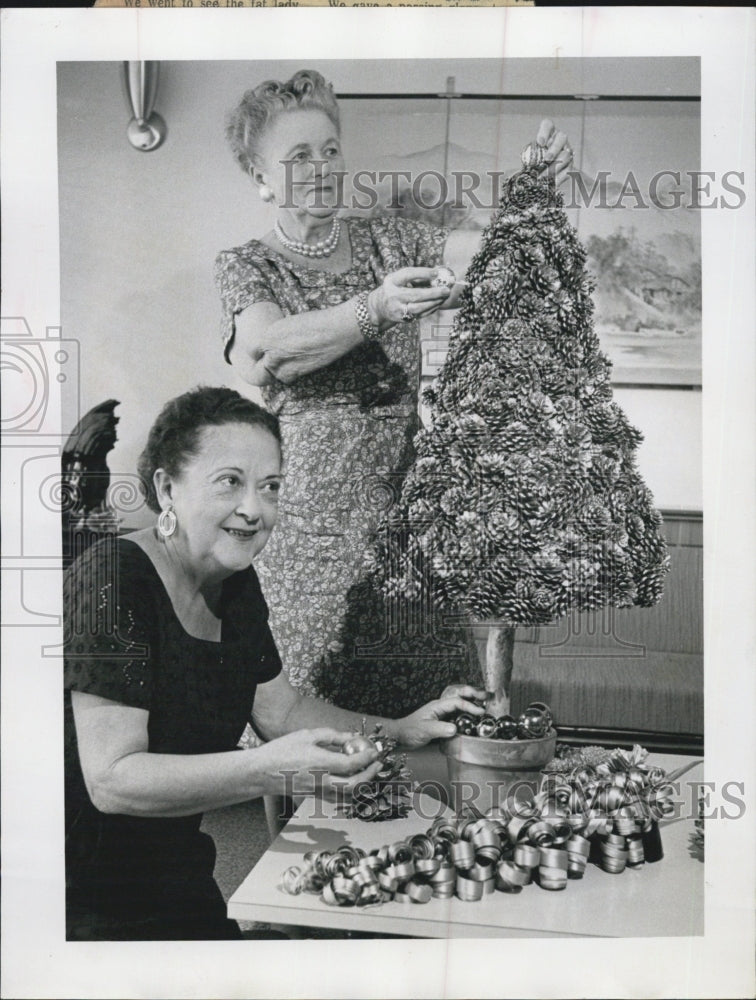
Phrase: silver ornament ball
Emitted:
{"points": [[532, 156], [445, 278]]}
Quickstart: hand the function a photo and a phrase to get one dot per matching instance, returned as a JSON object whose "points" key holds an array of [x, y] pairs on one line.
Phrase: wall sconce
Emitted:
{"points": [[146, 130]]}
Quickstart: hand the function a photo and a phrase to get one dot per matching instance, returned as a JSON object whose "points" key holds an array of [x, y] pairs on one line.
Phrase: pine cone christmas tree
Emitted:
{"points": [[525, 501]]}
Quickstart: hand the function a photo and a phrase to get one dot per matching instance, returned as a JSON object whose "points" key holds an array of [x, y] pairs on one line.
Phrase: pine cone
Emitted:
{"points": [[473, 427], [596, 390], [388, 795], [527, 503], [517, 437], [602, 421], [618, 536], [528, 256], [568, 408], [544, 600], [528, 305], [594, 518], [603, 473], [492, 466], [545, 280], [468, 550], [515, 331], [462, 454], [650, 583], [453, 500], [517, 610], [579, 575], [524, 190], [541, 407], [569, 259], [629, 437], [552, 378], [578, 437], [420, 510], [635, 527], [652, 549], [547, 514], [503, 527]]}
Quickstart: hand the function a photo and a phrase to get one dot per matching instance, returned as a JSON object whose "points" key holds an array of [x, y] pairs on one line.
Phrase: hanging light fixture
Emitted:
{"points": [[146, 130]]}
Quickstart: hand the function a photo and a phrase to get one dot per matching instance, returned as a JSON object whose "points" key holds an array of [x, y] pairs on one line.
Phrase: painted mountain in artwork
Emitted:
{"points": [[646, 262]]}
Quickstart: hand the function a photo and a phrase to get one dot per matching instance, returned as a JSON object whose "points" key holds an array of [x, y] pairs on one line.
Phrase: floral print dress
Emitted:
{"points": [[348, 434]]}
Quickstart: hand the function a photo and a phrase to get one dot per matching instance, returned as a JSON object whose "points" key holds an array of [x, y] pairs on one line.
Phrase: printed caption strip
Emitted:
{"points": [[313, 3]]}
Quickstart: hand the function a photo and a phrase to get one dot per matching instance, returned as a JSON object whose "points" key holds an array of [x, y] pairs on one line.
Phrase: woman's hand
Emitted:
{"points": [[557, 152], [406, 294], [313, 762], [427, 723]]}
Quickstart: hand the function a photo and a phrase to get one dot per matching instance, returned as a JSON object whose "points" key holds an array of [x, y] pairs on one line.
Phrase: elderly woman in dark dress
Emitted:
{"points": [[168, 656], [322, 313]]}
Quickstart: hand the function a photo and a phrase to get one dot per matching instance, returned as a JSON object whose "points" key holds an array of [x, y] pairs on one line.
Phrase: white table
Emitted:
{"points": [[661, 900]]}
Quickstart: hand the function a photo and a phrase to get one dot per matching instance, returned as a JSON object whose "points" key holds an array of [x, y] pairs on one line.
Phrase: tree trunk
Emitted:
{"points": [[498, 668]]}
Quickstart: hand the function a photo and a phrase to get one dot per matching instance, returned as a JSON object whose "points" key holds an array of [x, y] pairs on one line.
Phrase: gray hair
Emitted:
{"points": [[245, 126]]}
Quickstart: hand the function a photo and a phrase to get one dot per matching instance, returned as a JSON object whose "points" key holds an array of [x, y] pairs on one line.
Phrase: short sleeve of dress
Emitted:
{"points": [[247, 611], [269, 661], [109, 626], [241, 282]]}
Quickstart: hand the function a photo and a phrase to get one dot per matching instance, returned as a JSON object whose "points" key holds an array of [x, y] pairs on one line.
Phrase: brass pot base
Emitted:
{"points": [[483, 772]]}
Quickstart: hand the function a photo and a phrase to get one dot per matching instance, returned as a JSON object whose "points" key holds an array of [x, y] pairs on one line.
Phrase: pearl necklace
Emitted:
{"points": [[322, 249]]}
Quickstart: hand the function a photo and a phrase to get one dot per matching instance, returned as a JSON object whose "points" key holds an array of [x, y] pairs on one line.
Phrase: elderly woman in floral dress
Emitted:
{"points": [[323, 313]]}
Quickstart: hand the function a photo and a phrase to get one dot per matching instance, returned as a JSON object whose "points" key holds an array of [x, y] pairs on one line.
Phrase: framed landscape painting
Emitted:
{"points": [[633, 199]]}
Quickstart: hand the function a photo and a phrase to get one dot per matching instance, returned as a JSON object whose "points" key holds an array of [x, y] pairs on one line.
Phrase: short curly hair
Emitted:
{"points": [[245, 126], [174, 437]]}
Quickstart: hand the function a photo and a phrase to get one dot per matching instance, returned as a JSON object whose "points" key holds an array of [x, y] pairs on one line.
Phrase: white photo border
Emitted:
{"points": [[37, 962]]}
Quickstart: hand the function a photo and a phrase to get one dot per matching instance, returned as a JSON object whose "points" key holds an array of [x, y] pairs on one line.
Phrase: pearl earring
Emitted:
{"points": [[167, 522], [266, 193]]}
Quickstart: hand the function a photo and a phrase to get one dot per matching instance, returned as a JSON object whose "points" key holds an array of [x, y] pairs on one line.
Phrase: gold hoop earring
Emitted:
{"points": [[167, 522]]}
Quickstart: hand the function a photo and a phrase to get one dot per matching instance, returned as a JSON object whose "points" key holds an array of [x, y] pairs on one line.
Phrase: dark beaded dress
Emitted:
{"points": [[146, 878]]}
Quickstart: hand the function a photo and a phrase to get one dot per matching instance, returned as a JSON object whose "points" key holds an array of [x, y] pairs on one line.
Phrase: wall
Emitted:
{"points": [[670, 455], [139, 232]]}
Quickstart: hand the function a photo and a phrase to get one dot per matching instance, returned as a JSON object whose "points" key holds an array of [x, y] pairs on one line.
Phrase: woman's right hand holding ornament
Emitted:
{"points": [[316, 762], [406, 295]]}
